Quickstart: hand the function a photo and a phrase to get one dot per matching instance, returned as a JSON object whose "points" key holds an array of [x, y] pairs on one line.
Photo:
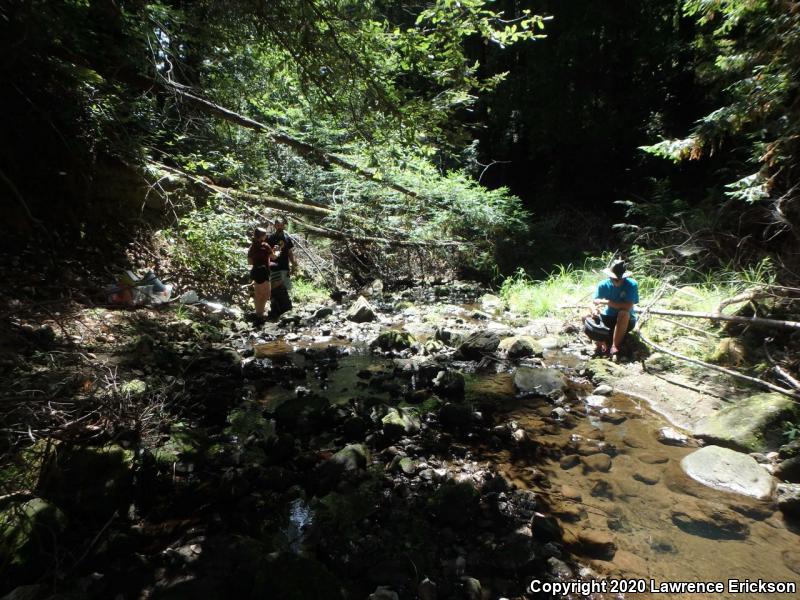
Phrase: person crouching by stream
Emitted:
{"points": [[283, 255], [618, 294], [259, 256]]}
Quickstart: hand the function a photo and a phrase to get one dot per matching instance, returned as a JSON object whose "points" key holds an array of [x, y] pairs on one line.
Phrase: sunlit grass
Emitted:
{"points": [[305, 291], [564, 287], [568, 287]]}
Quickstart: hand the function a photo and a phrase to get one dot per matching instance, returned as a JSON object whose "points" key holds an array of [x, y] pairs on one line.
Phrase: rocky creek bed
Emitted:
{"points": [[422, 444]]}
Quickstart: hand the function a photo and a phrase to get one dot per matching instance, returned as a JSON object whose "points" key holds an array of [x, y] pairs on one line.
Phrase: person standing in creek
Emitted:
{"points": [[618, 295], [259, 256], [283, 252]]}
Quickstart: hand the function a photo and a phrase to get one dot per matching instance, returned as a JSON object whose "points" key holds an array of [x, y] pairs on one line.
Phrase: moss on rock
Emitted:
{"points": [[751, 425]]}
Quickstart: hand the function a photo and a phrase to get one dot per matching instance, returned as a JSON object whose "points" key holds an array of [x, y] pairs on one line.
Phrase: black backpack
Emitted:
{"points": [[596, 329]]}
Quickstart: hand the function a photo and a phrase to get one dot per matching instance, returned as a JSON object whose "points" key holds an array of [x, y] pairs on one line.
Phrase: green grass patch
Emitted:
{"points": [[305, 291], [565, 287]]}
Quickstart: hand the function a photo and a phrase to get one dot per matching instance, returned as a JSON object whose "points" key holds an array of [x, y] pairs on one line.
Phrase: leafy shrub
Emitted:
{"points": [[211, 249]]}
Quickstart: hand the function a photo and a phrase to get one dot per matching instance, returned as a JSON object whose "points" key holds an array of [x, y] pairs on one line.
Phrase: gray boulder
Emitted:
{"points": [[789, 469], [384, 593], [372, 289], [479, 344], [728, 470], [353, 457], [521, 346], [393, 340], [673, 437], [322, 312], [491, 303], [449, 384], [361, 311], [397, 423], [751, 425], [470, 588]]}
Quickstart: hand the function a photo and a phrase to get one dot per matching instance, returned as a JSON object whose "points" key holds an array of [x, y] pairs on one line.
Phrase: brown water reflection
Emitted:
{"points": [[636, 502]]}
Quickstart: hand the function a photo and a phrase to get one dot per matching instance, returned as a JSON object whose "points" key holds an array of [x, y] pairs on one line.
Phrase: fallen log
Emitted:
{"points": [[314, 154], [776, 323], [687, 327], [784, 374], [346, 236], [269, 201], [294, 207], [731, 372], [146, 84], [748, 296]]}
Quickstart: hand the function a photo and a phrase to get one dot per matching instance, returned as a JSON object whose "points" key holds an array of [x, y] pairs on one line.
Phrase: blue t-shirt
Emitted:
{"points": [[627, 292]]}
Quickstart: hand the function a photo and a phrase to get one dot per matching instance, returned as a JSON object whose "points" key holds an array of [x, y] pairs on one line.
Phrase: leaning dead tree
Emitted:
{"points": [[296, 207]]}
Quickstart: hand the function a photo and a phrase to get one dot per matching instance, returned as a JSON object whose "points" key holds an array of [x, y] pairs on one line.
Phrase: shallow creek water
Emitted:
{"points": [[635, 501]]}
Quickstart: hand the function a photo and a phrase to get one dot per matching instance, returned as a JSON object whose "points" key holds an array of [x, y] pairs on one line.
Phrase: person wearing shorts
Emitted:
{"points": [[617, 295], [259, 256]]}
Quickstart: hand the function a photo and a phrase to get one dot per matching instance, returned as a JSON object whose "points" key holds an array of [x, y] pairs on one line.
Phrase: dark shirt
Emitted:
{"points": [[259, 253], [285, 243]]}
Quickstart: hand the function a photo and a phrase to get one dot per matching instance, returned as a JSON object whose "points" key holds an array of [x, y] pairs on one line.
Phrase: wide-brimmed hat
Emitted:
{"points": [[618, 270]]}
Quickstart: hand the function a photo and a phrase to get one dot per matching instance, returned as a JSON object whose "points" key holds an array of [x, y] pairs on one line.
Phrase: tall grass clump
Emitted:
{"points": [[566, 286]]}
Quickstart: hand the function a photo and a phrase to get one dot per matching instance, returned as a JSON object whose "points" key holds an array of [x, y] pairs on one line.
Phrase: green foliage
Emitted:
{"points": [[791, 431], [750, 52], [566, 286], [212, 248], [305, 291]]}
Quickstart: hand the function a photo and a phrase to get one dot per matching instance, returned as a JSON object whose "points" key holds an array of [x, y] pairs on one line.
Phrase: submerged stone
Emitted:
{"points": [[712, 522], [596, 544], [545, 382], [728, 470]]}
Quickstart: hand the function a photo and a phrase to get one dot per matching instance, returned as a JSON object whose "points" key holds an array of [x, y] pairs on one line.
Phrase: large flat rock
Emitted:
{"points": [[728, 470], [751, 425]]}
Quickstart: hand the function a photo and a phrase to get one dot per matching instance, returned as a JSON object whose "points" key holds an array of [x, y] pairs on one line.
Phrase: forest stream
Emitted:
{"points": [[634, 515], [323, 457]]}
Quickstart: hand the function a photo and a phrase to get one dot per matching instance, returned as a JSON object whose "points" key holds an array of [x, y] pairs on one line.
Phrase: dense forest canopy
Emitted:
{"points": [[401, 117]]}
